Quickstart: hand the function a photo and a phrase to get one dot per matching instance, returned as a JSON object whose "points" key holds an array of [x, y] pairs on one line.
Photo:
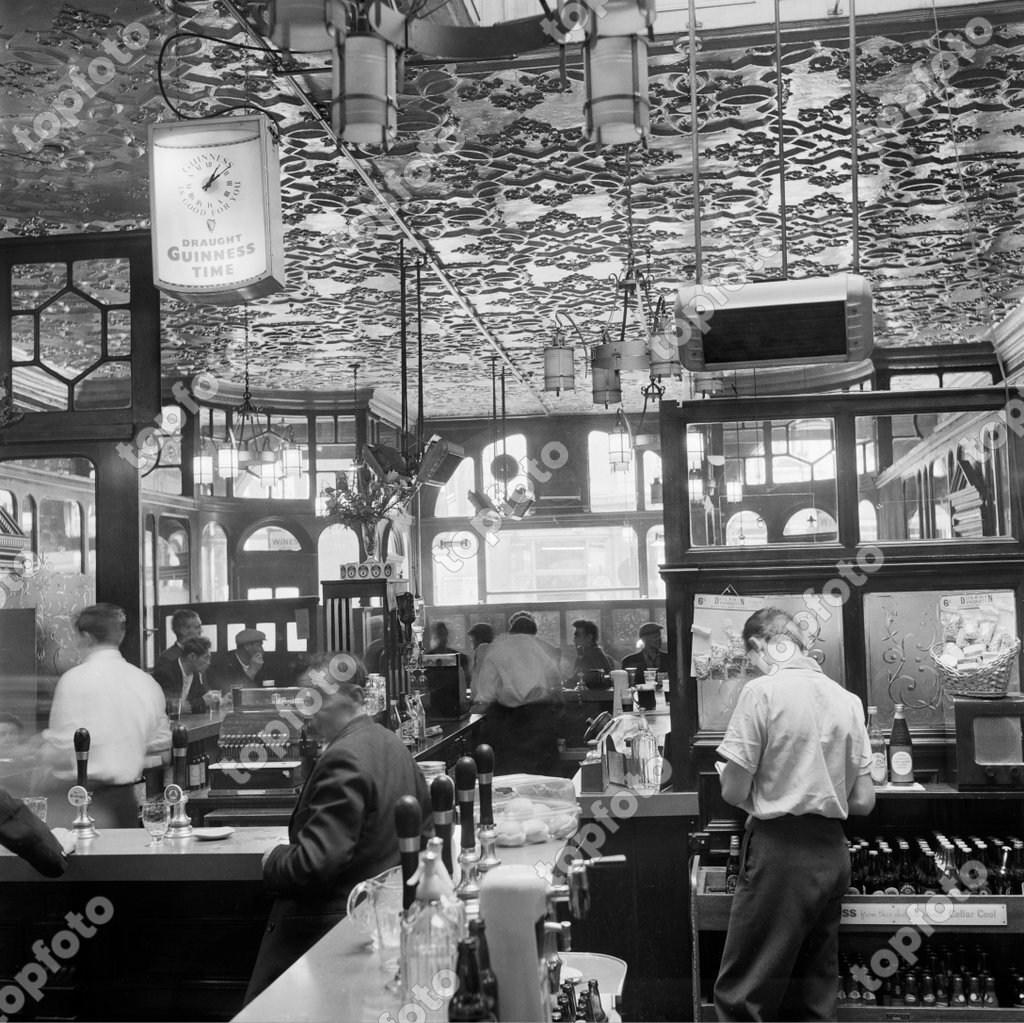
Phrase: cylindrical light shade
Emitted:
{"points": [[695, 484], [617, 109], [558, 369], [368, 87], [202, 469], [733, 491], [607, 386], [299, 26], [269, 469], [664, 351], [227, 462], [620, 453], [291, 461], [657, 491], [621, 355]]}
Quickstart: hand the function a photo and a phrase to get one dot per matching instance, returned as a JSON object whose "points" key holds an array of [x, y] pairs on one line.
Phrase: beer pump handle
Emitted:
{"points": [[483, 757], [82, 741], [179, 756], [465, 785], [442, 801], [408, 821]]}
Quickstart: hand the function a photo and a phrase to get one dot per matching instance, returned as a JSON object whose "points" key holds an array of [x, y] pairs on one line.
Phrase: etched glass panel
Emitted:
{"points": [[107, 280], [108, 386], [70, 339], [33, 283]]}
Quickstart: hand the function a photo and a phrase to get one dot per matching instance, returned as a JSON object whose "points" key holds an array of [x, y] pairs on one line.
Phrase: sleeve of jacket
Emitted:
{"points": [[26, 836], [335, 813]]}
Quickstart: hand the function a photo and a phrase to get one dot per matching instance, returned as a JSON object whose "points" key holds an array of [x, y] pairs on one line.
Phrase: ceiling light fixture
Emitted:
{"points": [[620, 444], [364, 83], [617, 108]]}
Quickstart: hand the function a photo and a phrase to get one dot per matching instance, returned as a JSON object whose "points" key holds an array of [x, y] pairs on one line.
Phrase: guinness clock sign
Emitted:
{"points": [[215, 202]]}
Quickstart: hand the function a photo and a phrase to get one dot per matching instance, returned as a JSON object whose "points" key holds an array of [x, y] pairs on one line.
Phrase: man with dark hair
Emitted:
{"points": [[518, 695], [184, 682], [589, 656], [447, 684], [184, 624], [122, 707], [797, 759], [343, 828], [242, 666], [481, 636]]}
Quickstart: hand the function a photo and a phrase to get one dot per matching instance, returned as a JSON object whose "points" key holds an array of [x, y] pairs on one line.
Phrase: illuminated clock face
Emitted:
{"points": [[210, 184]]}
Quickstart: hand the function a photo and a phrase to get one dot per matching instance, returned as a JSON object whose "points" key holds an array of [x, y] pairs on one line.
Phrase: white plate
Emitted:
{"points": [[212, 834]]}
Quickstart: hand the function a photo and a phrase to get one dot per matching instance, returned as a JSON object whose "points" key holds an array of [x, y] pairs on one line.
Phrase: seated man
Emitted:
{"points": [[343, 828], [589, 656], [651, 656], [184, 681], [25, 835], [184, 624], [243, 666]]}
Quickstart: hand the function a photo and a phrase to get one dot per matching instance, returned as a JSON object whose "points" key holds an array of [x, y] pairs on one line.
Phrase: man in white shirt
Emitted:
{"points": [[123, 709], [517, 691], [797, 759]]}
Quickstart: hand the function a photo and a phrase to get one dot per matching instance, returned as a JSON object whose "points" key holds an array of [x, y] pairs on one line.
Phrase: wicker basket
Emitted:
{"points": [[990, 681]]}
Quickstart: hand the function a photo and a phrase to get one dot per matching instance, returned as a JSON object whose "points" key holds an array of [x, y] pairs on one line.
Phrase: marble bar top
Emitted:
{"points": [[342, 978], [124, 855]]}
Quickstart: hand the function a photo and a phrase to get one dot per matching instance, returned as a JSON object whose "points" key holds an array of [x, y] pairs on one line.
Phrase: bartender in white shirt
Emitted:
{"points": [[123, 709]]}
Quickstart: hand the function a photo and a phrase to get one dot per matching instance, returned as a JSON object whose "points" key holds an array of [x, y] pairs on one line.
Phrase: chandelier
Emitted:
{"points": [[639, 333]]}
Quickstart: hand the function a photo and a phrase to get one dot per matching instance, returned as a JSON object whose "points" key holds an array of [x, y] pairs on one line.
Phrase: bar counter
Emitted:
{"points": [[342, 978]]}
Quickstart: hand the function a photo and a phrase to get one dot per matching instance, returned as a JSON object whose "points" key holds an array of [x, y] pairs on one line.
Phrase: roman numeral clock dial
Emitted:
{"points": [[210, 184]]}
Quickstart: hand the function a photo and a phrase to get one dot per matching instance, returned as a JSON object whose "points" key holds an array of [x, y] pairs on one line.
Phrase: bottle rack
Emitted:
{"points": [[868, 915]]}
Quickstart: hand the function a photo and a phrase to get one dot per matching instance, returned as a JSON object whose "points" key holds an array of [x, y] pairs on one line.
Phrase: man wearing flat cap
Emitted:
{"points": [[652, 656], [243, 666]]}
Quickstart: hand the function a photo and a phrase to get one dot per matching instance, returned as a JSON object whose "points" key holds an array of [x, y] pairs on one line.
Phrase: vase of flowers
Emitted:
{"points": [[363, 507]]}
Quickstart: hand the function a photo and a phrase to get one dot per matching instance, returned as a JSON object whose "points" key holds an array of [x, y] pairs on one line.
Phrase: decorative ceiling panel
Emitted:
{"points": [[492, 173]]}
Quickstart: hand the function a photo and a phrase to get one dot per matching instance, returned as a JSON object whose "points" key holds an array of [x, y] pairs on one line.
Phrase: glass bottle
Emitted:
{"points": [[732, 865], [873, 884], [488, 980], [989, 999], [644, 778], [905, 873], [394, 721], [600, 1016], [974, 992], [928, 996], [468, 1004], [910, 990], [901, 750], [957, 998], [879, 763], [431, 930]]}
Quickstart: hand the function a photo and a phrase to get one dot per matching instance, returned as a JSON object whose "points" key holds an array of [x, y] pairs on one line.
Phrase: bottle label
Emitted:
{"points": [[902, 764], [730, 883], [879, 771], [908, 889]]}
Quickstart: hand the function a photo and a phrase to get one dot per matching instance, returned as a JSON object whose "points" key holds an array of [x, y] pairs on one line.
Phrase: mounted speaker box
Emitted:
{"points": [[440, 460], [775, 323]]}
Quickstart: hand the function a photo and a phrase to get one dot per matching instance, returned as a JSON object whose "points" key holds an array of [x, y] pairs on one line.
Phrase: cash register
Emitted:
{"points": [[258, 751]]}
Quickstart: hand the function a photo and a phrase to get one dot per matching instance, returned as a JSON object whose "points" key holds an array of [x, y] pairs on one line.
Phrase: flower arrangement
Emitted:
{"points": [[362, 507]]}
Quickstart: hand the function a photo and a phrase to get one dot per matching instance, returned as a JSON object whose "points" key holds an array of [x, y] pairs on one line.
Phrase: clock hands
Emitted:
{"points": [[213, 177]]}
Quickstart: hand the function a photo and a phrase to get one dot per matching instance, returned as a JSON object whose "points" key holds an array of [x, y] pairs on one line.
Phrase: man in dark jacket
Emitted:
{"points": [[343, 828], [242, 666], [185, 682], [27, 836]]}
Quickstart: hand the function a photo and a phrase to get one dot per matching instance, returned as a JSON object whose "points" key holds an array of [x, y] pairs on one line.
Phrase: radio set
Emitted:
{"points": [[988, 753]]}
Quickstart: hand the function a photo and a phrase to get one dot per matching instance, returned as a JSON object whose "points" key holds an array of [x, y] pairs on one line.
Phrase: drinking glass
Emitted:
{"points": [[37, 804], [156, 816]]}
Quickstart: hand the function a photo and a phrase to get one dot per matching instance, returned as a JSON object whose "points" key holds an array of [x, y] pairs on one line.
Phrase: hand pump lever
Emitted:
{"points": [[442, 801], [483, 756], [78, 795], [465, 787]]}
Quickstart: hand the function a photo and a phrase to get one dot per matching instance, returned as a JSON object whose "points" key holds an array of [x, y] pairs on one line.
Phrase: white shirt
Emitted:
{"points": [[517, 669], [802, 736], [122, 707]]}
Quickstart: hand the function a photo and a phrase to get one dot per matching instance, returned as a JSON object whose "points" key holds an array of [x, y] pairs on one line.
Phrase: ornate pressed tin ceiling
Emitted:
{"points": [[492, 173]]}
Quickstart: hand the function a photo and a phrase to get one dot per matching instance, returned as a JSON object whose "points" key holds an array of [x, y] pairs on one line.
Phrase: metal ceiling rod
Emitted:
{"points": [[854, 164], [385, 200], [695, 147], [782, 142]]}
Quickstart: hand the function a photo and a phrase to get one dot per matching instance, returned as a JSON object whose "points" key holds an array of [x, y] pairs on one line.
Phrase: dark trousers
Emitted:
{"points": [[781, 957], [524, 739]]}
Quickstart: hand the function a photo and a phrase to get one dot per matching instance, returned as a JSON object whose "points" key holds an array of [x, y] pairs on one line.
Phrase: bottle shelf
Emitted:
{"points": [[909, 1013], [878, 912]]}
